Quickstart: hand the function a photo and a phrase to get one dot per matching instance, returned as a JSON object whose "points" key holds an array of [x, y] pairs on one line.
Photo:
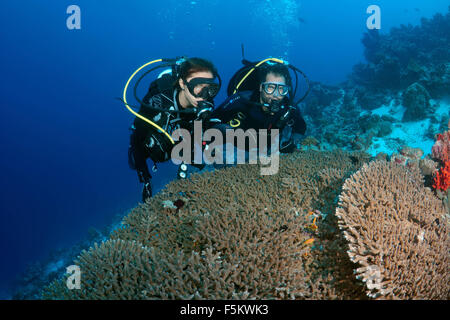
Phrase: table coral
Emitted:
{"points": [[238, 235], [397, 232]]}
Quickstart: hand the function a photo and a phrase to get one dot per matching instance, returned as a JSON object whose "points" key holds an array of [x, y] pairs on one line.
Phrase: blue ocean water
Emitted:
{"points": [[64, 137]]}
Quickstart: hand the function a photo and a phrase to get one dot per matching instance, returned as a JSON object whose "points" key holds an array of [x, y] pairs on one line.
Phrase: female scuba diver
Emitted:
{"points": [[175, 100]]}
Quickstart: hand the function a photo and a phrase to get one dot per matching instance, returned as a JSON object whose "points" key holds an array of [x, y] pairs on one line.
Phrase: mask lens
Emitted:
{"points": [[283, 90], [198, 89], [213, 90], [270, 88], [203, 88]]}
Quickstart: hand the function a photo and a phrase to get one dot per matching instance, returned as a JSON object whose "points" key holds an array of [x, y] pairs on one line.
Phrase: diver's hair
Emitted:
{"points": [[277, 69], [192, 65]]}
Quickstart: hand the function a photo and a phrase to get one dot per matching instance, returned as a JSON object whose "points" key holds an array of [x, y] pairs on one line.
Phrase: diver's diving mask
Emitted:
{"points": [[275, 88], [205, 88]]}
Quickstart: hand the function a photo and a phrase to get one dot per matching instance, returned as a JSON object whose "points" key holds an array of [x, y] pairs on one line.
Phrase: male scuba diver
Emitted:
{"points": [[175, 100], [265, 101]]}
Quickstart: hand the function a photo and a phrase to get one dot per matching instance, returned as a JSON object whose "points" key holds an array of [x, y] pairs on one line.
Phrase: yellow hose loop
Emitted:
{"points": [[234, 123], [137, 114], [252, 69]]}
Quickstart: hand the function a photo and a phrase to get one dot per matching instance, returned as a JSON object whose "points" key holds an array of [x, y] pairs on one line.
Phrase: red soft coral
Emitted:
{"points": [[441, 147], [442, 178]]}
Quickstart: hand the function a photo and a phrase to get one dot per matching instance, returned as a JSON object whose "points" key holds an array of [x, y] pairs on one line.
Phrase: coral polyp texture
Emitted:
{"points": [[240, 235], [397, 232]]}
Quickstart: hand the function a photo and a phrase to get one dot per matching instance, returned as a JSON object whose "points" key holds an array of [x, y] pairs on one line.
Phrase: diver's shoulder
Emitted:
{"points": [[240, 97], [246, 94]]}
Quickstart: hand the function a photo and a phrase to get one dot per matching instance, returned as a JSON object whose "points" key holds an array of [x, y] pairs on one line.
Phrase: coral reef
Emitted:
{"points": [[38, 274], [321, 95], [416, 99], [441, 148], [408, 156], [232, 234], [238, 236], [442, 178], [427, 166], [398, 96], [406, 55], [309, 143], [440, 151], [397, 233]]}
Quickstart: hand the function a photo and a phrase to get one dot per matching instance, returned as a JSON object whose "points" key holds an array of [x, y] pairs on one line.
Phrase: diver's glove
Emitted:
{"points": [[287, 147], [146, 192]]}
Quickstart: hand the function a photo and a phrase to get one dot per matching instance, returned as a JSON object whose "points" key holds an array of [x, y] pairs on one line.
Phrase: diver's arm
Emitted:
{"points": [[222, 111], [287, 146], [299, 125], [297, 139], [296, 134], [230, 107], [142, 127]]}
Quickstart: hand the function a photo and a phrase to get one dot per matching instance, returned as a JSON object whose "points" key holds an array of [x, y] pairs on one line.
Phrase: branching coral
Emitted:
{"points": [[397, 232], [115, 269], [239, 235]]}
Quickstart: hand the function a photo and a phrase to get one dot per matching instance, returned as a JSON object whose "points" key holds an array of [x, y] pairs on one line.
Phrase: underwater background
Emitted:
{"points": [[65, 175]]}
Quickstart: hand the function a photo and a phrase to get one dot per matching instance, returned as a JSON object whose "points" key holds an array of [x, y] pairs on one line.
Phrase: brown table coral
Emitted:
{"points": [[238, 235]]}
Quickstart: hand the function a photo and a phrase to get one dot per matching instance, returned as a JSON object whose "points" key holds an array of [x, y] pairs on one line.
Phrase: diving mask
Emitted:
{"points": [[205, 88], [275, 88]]}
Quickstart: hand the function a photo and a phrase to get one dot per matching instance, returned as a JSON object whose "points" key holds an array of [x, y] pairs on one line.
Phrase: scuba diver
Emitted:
{"points": [[177, 98], [264, 100]]}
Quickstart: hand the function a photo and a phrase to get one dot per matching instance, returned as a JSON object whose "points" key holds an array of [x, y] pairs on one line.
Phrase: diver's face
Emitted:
{"points": [[187, 100], [268, 98]]}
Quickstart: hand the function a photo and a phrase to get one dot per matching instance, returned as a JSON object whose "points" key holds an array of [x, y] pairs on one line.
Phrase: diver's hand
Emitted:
{"points": [[147, 191], [297, 139], [287, 147], [204, 110]]}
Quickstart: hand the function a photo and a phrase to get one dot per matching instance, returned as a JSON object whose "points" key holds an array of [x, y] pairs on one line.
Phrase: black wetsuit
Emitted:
{"points": [[145, 140], [241, 110]]}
